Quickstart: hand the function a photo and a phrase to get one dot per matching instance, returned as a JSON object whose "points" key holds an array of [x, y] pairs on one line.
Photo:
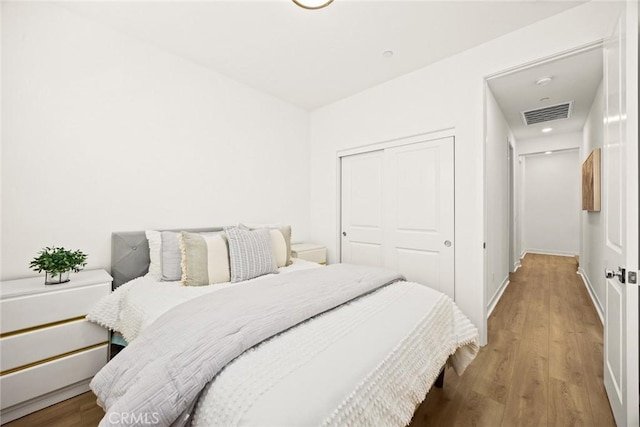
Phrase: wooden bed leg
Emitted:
{"points": [[440, 380]]}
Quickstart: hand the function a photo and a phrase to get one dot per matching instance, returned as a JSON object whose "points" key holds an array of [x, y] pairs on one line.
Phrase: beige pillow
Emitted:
{"points": [[205, 259], [279, 246]]}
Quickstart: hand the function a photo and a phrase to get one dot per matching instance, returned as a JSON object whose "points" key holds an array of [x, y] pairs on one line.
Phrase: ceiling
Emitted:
{"points": [[574, 78], [313, 58]]}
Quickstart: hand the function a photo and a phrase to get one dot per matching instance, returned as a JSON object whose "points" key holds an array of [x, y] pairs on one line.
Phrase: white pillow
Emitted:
{"points": [[155, 253]]}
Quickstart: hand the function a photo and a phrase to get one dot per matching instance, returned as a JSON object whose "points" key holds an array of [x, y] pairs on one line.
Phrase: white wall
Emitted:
{"points": [[591, 257], [104, 133], [497, 199], [552, 203], [448, 94], [553, 142]]}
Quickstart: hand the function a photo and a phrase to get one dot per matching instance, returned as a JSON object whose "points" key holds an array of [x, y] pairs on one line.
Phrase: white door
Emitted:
{"points": [[398, 211], [362, 215], [620, 188], [419, 213]]}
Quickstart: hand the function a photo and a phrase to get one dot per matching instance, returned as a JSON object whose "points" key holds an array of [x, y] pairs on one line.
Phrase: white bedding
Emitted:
{"points": [[136, 304], [368, 362]]}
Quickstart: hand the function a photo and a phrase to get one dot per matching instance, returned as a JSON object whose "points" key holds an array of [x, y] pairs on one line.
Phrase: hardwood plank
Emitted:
{"points": [[568, 405], [494, 379], [479, 410], [592, 356]]}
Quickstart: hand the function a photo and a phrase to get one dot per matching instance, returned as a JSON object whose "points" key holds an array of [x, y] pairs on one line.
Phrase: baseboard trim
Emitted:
{"points": [[496, 297], [516, 266], [592, 294], [547, 252]]}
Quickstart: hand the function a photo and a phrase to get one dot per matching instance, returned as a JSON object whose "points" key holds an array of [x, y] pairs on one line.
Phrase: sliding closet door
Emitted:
{"points": [[419, 213], [362, 214], [397, 211]]}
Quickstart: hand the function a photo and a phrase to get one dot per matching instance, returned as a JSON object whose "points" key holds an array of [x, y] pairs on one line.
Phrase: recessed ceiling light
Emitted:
{"points": [[547, 152], [544, 80], [547, 130], [546, 98], [387, 53]]}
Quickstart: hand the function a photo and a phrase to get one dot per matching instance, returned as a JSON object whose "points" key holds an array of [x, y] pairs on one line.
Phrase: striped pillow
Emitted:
{"points": [[205, 258], [171, 270], [286, 233], [250, 253]]}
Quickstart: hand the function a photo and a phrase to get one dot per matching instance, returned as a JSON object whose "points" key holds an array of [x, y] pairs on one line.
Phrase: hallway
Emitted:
{"points": [[543, 363]]}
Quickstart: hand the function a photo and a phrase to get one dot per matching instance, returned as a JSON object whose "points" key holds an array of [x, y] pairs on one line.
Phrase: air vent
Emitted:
{"points": [[546, 114]]}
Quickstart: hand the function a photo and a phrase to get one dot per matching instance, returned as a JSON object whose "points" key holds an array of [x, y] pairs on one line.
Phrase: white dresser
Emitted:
{"points": [[48, 351]]}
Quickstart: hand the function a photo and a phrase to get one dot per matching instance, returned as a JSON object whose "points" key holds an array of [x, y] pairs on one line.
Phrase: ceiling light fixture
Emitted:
{"points": [[387, 53], [542, 80], [547, 152], [546, 98], [547, 130], [313, 4]]}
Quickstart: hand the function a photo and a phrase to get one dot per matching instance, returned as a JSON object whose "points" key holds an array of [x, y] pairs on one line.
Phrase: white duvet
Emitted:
{"points": [[368, 362], [136, 304]]}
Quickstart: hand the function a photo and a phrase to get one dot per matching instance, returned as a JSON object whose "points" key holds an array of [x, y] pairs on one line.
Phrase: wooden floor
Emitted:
{"points": [[542, 366], [79, 411], [543, 363]]}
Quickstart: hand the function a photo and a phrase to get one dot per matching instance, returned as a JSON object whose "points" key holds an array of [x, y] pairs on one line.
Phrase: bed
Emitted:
{"points": [[311, 345]]}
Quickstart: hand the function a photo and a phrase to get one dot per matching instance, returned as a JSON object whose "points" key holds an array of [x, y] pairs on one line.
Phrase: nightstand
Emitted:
{"points": [[309, 252], [48, 351]]}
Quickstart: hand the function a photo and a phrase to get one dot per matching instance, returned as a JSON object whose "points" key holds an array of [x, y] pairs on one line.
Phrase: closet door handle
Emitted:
{"points": [[447, 243], [344, 233]]}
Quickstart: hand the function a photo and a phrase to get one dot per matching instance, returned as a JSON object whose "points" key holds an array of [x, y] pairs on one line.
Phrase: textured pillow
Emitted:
{"points": [[286, 233], [250, 253], [155, 253], [205, 259], [171, 257]]}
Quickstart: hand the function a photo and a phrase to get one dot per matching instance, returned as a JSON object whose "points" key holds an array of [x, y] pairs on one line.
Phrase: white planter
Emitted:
{"points": [[56, 278]]}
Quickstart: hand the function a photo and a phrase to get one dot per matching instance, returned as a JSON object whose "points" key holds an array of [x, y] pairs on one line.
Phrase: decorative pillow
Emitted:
{"points": [[205, 258], [171, 257], [250, 253], [286, 233], [278, 247], [155, 253]]}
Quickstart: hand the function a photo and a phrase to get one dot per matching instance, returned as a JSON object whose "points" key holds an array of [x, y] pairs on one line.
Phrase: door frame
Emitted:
{"points": [[485, 277], [376, 146]]}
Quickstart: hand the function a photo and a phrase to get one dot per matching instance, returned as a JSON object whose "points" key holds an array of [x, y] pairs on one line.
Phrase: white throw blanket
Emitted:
{"points": [[162, 372]]}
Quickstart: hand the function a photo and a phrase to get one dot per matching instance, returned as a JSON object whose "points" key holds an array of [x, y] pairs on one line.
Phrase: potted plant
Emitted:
{"points": [[57, 263]]}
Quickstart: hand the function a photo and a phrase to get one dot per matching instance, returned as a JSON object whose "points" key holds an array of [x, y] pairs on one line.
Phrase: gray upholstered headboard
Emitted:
{"points": [[130, 254]]}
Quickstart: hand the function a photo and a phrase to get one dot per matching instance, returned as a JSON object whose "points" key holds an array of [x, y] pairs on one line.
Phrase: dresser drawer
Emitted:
{"points": [[33, 310], [36, 381], [40, 344]]}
